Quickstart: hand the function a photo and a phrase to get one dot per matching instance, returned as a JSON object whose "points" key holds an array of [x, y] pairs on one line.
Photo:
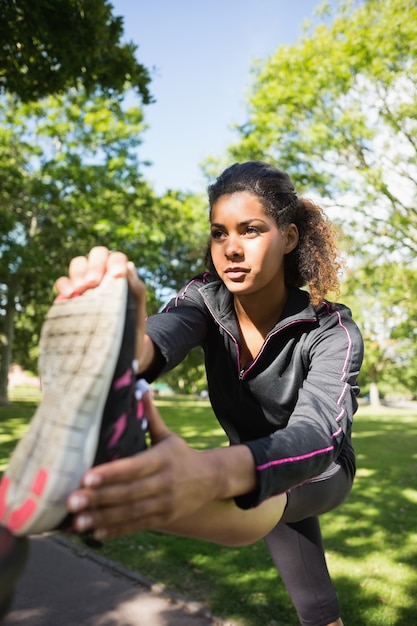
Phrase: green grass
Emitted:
{"points": [[371, 540]]}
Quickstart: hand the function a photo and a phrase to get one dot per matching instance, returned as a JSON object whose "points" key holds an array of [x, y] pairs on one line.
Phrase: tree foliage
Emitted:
{"points": [[69, 167], [338, 111], [70, 179], [70, 173], [383, 305], [47, 46]]}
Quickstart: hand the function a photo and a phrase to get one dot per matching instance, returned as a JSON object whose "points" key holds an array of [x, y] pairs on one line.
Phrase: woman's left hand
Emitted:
{"points": [[150, 490]]}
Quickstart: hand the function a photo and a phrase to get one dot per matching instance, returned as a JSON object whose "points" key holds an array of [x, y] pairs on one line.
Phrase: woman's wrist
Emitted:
{"points": [[232, 471]]}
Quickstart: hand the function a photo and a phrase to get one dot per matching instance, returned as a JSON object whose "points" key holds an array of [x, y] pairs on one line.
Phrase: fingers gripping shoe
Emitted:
{"points": [[88, 413]]}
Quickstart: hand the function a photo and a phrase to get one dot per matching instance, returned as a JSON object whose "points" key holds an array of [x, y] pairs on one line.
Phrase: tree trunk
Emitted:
{"points": [[6, 348], [374, 398]]}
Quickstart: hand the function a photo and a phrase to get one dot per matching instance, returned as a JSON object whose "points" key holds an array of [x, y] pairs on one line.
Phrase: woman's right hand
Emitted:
{"points": [[86, 272]]}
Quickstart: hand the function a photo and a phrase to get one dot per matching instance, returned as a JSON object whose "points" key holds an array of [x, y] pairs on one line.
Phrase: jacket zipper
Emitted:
{"points": [[243, 372]]}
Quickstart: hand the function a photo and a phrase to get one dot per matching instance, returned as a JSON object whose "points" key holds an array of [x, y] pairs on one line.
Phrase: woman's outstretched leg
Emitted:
{"points": [[172, 488], [222, 522]]}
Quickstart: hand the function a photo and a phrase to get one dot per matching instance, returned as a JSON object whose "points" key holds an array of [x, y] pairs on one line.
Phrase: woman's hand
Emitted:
{"points": [[86, 272], [151, 490]]}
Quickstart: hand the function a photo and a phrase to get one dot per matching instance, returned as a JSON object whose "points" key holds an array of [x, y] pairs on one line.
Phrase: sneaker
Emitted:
{"points": [[13, 556], [88, 413]]}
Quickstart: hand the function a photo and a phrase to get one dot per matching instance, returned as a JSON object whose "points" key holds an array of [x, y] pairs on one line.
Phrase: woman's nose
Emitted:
{"points": [[234, 247]]}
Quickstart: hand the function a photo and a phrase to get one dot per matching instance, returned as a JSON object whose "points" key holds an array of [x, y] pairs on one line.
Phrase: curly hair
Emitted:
{"points": [[315, 262]]}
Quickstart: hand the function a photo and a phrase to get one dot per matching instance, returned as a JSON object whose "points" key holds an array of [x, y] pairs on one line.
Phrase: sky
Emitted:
{"points": [[199, 55]]}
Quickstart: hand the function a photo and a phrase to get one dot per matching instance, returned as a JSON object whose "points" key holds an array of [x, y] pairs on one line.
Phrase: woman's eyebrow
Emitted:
{"points": [[243, 223]]}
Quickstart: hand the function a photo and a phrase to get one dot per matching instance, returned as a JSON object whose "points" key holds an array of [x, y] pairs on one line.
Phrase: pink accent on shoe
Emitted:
{"points": [[119, 428], [4, 486], [20, 516], [124, 380], [39, 482], [140, 411]]}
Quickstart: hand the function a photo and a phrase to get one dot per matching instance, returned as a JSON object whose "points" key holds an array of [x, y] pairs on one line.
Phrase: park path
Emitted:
{"points": [[68, 585]]}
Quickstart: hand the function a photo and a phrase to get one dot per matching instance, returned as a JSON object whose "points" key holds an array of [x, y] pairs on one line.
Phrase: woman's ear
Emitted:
{"points": [[292, 237]]}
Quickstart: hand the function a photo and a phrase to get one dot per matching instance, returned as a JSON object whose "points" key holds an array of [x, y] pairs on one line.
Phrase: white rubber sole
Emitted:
{"points": [[79, 348]]}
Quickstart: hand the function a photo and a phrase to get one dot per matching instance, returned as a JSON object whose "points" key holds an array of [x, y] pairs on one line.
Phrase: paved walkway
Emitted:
{"points": [[69, 585]]}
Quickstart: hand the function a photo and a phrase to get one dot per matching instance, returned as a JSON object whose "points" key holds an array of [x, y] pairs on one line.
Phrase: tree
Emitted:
{"points": [[48, 47], [69, 179], [338, 112], [59, 178], [69, 175], [177, 253], [384, 307]]}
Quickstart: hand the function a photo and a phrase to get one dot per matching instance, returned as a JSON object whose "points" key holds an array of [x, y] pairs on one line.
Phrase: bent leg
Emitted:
{"points": [[298, 554], [224, 523], [296, 547]]}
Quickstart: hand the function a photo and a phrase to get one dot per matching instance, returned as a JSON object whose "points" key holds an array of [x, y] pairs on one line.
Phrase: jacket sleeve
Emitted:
{"points": [[179, 327], [320, 425]]}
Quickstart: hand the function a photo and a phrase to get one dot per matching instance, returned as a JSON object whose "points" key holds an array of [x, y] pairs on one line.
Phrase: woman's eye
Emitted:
{"points": [[252, 230], [216, 234]]}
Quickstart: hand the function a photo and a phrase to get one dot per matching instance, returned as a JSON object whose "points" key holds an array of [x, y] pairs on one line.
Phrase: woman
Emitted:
{"points": [[282, 366]]}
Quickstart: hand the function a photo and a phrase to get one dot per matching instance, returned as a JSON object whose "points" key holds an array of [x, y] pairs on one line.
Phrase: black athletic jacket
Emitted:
{"points": [[293, 405]]}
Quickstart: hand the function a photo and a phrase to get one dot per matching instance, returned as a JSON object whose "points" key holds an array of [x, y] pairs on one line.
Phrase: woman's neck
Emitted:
{"points": [[260, 311], [256, 317]]}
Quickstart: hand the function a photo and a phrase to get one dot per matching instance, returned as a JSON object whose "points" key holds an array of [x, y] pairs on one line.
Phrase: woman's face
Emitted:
{"points": [[247, 247]]}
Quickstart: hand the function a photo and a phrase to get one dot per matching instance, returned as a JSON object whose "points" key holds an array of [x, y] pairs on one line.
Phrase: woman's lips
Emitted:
{"points": [[235, 273]]}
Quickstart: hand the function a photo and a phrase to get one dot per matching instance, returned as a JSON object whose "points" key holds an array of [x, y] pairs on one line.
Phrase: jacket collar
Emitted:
{"points": [[219, 302]]}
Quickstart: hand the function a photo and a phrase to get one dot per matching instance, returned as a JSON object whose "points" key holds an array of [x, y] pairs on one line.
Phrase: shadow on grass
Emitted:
{"points": [[373, 535], [361, 607], [239, 584], [371, 540]]}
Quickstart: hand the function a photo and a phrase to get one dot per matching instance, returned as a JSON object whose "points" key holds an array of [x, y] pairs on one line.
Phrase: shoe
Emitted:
{"points": [[88, 413], [13, 556]]}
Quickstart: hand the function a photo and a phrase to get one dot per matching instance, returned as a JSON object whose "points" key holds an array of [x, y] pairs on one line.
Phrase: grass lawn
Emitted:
{"points": [[371, 540]]}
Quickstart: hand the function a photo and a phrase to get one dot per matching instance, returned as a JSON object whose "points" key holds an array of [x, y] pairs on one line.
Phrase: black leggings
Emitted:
{"points": [[296, 547]]}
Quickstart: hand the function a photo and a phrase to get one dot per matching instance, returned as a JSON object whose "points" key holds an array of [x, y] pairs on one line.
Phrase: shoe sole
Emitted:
{"points": [[79, 348]]}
